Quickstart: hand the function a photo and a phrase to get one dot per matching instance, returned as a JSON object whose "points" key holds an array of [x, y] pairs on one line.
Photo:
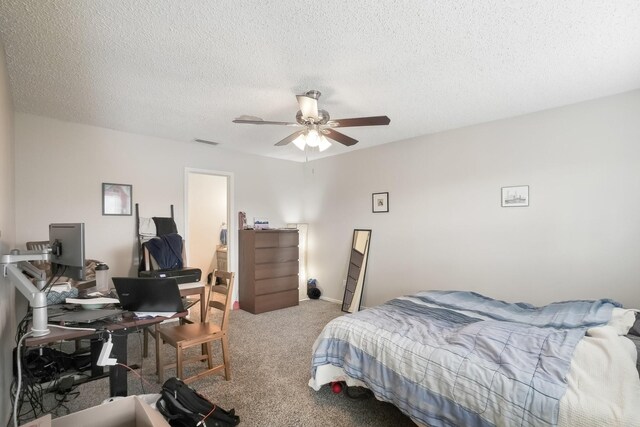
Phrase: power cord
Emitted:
{"points": [[17, 395], [28, 380]]}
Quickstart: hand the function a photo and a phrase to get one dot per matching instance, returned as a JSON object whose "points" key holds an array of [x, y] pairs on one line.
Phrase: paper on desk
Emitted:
{"points": [[61, 287], [154, 313], [103, 300]]}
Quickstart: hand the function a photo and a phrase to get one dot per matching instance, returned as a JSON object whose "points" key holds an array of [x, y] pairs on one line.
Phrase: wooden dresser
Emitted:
{"points": [[268, 267]]}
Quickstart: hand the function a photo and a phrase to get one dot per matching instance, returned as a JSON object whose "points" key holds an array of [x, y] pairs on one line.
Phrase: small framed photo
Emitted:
{"points": [[515, 196], [116, 199], [380, 202]]}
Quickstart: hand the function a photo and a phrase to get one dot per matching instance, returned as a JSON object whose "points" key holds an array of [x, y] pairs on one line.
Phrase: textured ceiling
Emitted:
{"points": [[185, 69]]}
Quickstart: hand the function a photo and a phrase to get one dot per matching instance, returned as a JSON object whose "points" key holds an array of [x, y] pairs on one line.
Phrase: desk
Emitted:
{"points": [[121, 330], [117, 373]]}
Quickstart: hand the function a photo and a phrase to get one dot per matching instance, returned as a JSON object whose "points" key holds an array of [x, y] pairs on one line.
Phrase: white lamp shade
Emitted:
{"points": [[300, 142], [313, 139], [324, 143]]}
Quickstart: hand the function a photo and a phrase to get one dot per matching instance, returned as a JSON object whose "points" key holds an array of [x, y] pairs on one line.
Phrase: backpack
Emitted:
{"points": [[182, 406]]}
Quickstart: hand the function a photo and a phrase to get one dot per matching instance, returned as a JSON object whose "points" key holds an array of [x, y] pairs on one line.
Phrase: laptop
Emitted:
{"points": [[149, 294]]}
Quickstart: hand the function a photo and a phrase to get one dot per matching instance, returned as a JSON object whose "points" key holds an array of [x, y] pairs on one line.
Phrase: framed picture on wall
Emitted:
{"points": [[515, 196], [116, 199], [380, 202]]}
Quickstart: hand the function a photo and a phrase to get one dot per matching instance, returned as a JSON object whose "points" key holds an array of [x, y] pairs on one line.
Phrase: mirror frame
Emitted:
{"points": [[362, 272]]}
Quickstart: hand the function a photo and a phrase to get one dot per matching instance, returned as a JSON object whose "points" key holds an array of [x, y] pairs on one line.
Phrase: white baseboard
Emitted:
{"points": [[335, 301]]}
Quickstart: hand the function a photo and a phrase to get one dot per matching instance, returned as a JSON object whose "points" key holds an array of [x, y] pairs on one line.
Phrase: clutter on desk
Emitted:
{"points": [[60, 292], [85, 301], [102, 277], [150, 314]]}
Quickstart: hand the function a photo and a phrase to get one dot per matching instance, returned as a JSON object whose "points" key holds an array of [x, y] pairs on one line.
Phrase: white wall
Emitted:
{"points": [[60, 167], [7, 238], [579, 238], [207, 210]]}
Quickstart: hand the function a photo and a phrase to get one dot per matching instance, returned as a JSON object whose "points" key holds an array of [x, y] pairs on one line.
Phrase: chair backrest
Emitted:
{"points": [[150, 263], [220, 295], [37, 246]]}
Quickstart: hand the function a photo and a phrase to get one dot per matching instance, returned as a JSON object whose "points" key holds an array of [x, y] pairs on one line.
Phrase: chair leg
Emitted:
{"points": [[225, 357], [159, 358], [145, 343], [210, 355], [179, 361]]}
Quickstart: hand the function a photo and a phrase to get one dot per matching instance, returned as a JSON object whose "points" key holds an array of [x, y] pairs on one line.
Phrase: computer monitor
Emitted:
{"points": [[67, 249]]}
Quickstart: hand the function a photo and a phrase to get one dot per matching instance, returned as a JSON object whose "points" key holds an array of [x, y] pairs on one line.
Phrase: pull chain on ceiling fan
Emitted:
{"points": [[317, 124]]}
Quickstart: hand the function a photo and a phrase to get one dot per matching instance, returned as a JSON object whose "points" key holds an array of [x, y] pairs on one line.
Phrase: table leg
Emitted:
{"points": [[96, 347], [203, 304], [117, 373]]}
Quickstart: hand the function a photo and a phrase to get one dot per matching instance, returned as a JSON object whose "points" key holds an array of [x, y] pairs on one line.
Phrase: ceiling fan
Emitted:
{"points": [[317, 124]]}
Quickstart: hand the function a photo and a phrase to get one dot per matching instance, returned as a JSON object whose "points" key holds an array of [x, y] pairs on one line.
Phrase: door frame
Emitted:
{"points": [[232, 257]]}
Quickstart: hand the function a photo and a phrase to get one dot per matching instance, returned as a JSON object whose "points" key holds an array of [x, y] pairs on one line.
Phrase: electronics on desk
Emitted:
{"points": [[149, 294], [67, 249], [85, 316], [182, 275]]}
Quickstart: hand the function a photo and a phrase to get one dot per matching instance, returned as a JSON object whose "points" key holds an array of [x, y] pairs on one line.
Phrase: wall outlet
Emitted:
{"points": [[344, 283]]}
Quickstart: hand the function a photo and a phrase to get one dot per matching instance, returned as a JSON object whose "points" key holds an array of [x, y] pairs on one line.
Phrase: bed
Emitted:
{"points": [[449, 358]]}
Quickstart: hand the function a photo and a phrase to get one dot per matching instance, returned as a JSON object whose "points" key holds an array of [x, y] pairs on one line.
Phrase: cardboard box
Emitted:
{"points": [[127, 412]]}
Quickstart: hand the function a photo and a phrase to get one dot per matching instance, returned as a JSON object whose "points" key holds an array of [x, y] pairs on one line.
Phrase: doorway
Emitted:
{"points": [[209, 227]]}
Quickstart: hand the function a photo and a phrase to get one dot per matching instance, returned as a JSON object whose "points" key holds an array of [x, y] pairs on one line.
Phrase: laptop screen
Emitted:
{"points": [[150, 294]]}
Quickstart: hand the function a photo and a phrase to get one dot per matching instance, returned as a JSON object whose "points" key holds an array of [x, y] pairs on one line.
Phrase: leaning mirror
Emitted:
{"points": [[356, 271]]}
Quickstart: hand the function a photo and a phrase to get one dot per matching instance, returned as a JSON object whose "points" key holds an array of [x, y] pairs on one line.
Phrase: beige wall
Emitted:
{"points": [[579, 238], [7, 237]]}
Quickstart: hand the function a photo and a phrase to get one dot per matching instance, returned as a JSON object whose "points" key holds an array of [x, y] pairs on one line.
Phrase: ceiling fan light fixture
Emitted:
{"points": [[313, 138], [324, 143], [300, 142], [317, 126]]}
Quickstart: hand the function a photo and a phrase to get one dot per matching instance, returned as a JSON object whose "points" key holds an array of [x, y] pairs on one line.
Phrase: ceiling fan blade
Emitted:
{"points": [[290, 138], [340, 137], [259, 121], [360, 121], [308, 106]]}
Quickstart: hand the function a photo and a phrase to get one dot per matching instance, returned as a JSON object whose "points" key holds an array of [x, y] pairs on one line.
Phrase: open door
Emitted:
{"points": [[208, 220]]}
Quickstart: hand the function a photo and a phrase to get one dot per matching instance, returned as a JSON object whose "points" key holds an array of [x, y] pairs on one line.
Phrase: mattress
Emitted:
{"points": [[599, 387]]}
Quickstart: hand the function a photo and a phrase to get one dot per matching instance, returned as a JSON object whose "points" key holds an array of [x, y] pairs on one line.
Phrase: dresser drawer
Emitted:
{"points": [[266, 239], [279, 284], [282, 269], [275, 301], [267, 255], [288, 238]]}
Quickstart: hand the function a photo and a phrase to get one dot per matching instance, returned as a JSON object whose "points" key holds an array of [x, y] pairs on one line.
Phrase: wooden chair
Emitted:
{"points": [[186, 336]]}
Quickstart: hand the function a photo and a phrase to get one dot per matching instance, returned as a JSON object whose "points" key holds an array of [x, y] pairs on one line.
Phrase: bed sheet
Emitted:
{"points": [[586, 402]]}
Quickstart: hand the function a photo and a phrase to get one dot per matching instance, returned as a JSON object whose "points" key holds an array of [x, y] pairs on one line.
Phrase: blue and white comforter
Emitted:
{"points": [[459, 358]]}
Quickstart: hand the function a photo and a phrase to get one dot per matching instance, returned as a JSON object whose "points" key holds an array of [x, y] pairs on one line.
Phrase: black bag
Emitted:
{"points": [[182, 406]]}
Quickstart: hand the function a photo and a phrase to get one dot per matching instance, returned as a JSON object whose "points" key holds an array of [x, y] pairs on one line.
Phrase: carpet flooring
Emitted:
{"points": [[270, 362]]}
